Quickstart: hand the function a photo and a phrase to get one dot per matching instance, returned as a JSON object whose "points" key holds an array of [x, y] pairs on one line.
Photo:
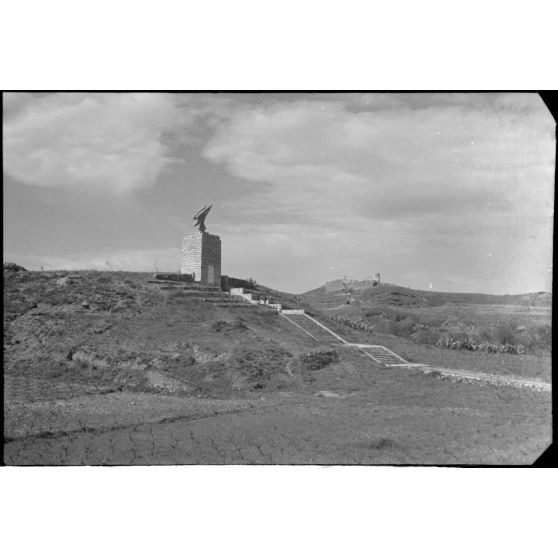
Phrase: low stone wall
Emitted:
{"points": [[184, 277]]}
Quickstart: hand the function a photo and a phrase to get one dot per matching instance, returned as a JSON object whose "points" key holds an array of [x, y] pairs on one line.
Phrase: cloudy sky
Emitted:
{"points": [[452, 192]]}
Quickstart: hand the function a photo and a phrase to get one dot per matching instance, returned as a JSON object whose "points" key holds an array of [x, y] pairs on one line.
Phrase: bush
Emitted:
{"points": [[447, 342], [10, 266], [485, 335], [403, 326], [319, 359], [543, 336], [505, 334], [426, 337], [361, 325]]}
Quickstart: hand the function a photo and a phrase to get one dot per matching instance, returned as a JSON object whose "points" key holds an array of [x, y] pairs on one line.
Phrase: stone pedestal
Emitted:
{"points": [[201, 256]]}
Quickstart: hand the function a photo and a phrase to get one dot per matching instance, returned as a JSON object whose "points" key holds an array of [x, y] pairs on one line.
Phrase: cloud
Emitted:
{"points": [[311, 187], [88, 142], [323, 160], [370, 184]]}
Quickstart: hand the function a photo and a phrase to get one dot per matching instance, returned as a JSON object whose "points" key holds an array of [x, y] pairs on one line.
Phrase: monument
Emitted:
{"points": [[201, 252]]}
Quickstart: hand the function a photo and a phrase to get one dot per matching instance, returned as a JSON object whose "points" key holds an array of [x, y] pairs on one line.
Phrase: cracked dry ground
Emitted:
{"points": [[350, 412]]}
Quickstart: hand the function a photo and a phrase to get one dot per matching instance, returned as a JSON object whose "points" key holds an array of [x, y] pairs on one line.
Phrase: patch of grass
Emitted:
{"points": [[319, 359]]}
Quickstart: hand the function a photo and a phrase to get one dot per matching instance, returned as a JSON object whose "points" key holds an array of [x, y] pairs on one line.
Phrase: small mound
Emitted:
{"points": [[258, 369], [319, 359], [223, 326]]}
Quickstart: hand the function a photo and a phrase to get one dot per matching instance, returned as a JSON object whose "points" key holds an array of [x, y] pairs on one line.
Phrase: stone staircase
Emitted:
{"points": [[250, 298], [311, 327], [316, 330], [382, 355], [322, 334], [257, 298]]}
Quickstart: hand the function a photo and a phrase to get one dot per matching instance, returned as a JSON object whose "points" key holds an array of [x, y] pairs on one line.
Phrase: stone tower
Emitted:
{"points": [[201, 257]]}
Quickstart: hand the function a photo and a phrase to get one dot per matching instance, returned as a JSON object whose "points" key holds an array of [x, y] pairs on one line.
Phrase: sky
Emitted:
{"points": [[449, 192]]}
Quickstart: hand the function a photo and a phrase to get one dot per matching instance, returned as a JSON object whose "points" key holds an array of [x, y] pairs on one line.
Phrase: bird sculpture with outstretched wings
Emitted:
{"points": [[200, 216]]}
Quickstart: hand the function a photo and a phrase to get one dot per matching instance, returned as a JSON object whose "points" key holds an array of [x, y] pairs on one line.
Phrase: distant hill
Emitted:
{"points": [[430, 317], [394, 295]]}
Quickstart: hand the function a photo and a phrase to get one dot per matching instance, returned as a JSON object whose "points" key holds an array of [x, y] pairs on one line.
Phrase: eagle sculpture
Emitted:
{"points": [[200, 216]]}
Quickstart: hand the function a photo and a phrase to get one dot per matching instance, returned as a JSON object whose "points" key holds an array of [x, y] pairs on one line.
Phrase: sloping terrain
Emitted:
{"points": [[474, 327], [386, 294], [107, 368], [118, 330]]}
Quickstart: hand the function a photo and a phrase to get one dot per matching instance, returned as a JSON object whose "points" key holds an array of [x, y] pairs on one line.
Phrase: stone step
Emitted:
{"points": [[320, 333], [312, 328], [385, 356]]}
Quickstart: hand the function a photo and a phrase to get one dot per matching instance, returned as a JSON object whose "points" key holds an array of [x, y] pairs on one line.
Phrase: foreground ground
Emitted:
{"points": [[349, 414], [163, 379]]}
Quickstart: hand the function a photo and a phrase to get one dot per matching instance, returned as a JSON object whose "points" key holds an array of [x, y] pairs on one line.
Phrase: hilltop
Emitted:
{"points": [[388, 294], [464, 320], [117, 328]]}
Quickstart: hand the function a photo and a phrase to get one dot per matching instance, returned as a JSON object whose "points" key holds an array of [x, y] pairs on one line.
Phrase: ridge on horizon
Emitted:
{"points": [[366, 284]]}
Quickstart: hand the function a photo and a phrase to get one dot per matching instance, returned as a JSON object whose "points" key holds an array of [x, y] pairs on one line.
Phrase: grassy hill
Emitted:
{"points": [[119, 330], [389, 294], [431, 318]]}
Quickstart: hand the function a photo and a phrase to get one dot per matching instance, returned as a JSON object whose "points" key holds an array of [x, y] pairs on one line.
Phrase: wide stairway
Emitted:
{"points": [[312, 328], [383, 355]]}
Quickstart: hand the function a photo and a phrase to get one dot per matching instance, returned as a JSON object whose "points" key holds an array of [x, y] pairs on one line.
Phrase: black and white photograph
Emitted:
{"points": [[277, 278]]}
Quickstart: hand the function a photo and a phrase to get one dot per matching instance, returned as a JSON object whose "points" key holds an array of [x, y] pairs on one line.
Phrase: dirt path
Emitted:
{"points": [[495, 379]]}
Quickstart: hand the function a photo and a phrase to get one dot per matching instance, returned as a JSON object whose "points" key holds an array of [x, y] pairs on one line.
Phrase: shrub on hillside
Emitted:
{"points": [[223, 326], [543, 336], [257, 369], [504, 334], [319, 359], [361, 325], [448, 342], [402, 326], [10, 266], [426, 337], [485, 335]]}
